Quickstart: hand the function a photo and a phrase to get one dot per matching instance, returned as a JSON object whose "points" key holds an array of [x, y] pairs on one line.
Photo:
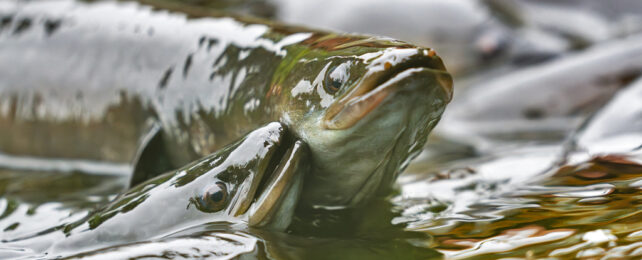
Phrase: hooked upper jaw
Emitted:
{"points": [[265, 145], [418, 70], [274, 205], [268, 198]]}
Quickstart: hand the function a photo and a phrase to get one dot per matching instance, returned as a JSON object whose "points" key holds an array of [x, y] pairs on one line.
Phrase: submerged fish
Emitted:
{"points": [[119, 82], [255, 181], [548, 100], [617, 127]]}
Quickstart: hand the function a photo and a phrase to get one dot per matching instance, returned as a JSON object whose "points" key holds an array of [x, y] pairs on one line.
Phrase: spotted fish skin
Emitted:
{"points": [[90, 81]]}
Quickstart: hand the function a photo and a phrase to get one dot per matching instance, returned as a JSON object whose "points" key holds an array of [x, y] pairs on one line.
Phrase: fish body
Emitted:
{"points": [[617, 127], [548, 100], [255, 182], [120, 82], [464, 32]]}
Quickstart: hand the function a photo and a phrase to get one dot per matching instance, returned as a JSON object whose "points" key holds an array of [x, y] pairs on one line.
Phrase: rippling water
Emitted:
{"points": [[516, 202], [524, 194], [526, 204]]}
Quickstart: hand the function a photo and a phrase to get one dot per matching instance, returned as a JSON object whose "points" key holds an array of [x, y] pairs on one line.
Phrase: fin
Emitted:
{"points": [[151, 158]]}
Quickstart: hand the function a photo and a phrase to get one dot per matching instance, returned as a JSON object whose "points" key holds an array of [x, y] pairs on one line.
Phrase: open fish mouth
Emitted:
{"points": [[383, 80], [278, 191]]}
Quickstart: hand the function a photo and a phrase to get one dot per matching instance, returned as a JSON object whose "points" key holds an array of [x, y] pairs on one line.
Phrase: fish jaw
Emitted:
{"points": [[358, 107], [274, 208], [259, 148]]}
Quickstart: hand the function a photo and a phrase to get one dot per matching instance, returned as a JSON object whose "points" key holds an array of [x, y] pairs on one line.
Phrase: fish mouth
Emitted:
{"points": [[279, 187], [422, 70]]}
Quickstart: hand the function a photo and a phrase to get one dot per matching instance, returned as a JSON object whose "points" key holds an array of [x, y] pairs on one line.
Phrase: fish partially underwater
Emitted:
{"points": [[255, 181], [118, 82]]}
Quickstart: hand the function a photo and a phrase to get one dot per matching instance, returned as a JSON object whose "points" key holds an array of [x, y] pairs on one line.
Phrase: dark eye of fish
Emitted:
{"points": [[335, 78], [214, 198]]}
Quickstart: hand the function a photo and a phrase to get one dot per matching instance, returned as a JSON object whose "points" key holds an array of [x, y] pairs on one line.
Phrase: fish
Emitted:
{"points": [[465, 33], [467, 43], [123, 83], [581, 27], [548, 100], [584, 23], [616, 128], [253, 182]]}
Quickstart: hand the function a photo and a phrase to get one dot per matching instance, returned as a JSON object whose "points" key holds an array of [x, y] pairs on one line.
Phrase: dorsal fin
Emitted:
{"points": [[151, 158]]}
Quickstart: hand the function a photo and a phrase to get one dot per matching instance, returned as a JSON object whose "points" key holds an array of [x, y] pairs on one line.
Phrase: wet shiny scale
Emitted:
{"points": [[539, 155]]}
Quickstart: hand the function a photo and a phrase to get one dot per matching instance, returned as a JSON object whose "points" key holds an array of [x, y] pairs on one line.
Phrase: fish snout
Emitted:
{"points": [[419, 74]]}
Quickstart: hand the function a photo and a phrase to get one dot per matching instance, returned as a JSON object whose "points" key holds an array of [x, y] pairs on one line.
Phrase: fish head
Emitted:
{"points": [[259, 178], [256, 180], [364, 106]]}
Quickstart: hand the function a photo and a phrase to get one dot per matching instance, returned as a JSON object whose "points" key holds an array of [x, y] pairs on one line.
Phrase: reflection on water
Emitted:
{"points": [[203, 245], [508, 205], [487, 193], [34, 202], [591, 208]]}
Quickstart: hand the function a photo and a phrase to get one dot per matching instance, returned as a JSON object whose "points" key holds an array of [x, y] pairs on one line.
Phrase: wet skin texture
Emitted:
{"points": [[89, 81], [255, 181]]}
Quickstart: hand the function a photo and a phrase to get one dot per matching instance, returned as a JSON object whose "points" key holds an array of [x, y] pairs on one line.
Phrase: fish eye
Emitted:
{"points": [[335, 78], [213, 199]]}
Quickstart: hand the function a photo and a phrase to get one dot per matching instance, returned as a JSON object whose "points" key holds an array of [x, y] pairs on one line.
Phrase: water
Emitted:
{"points": [[513, 206], [34, 202], [516, 202], [485, 193]]}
